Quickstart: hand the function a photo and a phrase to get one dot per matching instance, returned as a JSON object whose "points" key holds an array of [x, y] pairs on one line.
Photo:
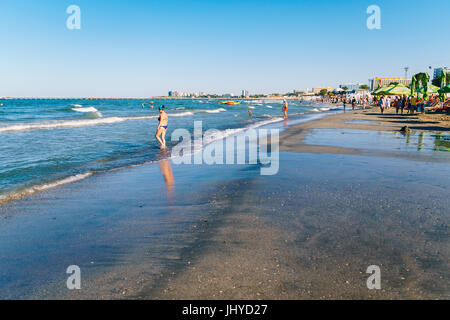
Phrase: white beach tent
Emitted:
{"points": [[338, 90]]}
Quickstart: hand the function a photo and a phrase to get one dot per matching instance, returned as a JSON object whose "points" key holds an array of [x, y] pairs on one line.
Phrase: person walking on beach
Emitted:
{"points": [[412, 109], [397, 103], [162, 127], [344, 102], [404, 104], [285, 108], [382, 104]]}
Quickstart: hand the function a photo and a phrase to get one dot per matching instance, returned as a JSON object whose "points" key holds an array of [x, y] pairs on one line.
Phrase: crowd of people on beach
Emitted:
{"points": [[363, 101], [400, 103]]}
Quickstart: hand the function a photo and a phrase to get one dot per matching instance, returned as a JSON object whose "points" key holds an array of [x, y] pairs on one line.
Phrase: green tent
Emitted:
{"points": [[431, 89], [397, 90], [445, 89], [443, 78]]}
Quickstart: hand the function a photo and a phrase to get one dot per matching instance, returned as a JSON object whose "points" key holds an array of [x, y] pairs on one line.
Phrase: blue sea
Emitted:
{"points": [[46, 143]]}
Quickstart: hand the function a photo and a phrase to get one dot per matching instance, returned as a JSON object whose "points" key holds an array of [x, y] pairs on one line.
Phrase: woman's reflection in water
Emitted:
{"points": [[166, 170]]}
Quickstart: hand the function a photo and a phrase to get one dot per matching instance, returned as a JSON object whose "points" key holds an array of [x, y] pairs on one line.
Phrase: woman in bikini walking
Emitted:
{"points": [[162, 127]]}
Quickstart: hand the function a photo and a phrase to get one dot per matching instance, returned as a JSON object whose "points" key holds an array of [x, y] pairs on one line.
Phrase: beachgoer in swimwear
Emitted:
{"points": [[162, 127], [285, 108]]}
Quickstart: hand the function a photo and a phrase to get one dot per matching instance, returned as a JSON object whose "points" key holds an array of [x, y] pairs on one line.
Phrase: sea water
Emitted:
{"points": [[46, 143]]}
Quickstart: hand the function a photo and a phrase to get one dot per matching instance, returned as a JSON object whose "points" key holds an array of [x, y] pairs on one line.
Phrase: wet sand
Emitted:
{"points": [[369, 119], [339, 204], [311, 231], [311, 234]]}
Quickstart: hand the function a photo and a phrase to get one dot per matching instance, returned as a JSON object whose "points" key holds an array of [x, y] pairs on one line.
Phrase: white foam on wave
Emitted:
{"points": [[77, 105], [212, 111], [59, 124], [85, 110], [16, 195], [182, 114], [216, 135]]}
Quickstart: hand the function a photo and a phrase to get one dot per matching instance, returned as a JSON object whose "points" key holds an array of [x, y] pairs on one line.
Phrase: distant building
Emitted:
{"points": [[351, 86], [377, 82], [174, 94], [438, 71], [245, 93], [317, 90]]}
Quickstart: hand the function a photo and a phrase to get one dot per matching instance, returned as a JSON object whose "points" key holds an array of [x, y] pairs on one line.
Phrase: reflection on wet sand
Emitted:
{"points": [[440, 142], [166, 170]]}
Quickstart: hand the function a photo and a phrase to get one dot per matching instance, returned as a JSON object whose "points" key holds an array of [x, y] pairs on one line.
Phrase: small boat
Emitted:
{"points": [[231, 103]]}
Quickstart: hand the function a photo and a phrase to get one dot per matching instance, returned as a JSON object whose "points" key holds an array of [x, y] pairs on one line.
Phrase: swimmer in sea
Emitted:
{"points": [[250, 112], [143, 105], [285, 108], [162, 127]]}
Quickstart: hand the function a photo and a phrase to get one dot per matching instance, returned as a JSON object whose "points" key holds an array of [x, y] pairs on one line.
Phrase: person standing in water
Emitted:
{"points": [[162, 127], [285, 108], [250, 112]]}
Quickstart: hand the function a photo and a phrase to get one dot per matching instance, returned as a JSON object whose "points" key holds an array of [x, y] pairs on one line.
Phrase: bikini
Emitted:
{"points": [[165, 127]]}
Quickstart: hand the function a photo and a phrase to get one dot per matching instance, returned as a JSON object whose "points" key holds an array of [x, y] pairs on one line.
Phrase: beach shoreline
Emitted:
{"points": [[366, 120], [220, 232], [250, 254]]}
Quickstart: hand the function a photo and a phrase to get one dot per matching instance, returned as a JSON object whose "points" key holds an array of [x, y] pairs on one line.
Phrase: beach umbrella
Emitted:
{"points": [[398, 89], [380, 90]]}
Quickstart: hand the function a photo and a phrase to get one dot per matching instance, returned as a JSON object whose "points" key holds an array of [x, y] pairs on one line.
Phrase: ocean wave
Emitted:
{"points": [[182, 114], [212, 111], [217, 135], [16, 195], [60, 124], [85, 110]]}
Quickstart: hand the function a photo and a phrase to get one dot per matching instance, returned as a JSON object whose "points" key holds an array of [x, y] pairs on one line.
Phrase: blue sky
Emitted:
{"points": [[145, 48]]}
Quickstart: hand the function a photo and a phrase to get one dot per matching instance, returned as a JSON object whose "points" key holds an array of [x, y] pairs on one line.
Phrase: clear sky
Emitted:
{"points": [[145, 48]]}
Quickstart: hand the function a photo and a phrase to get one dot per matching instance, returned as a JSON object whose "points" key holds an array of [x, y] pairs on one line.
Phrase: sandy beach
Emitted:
{"points": [[311, 231], [351, 192]]}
